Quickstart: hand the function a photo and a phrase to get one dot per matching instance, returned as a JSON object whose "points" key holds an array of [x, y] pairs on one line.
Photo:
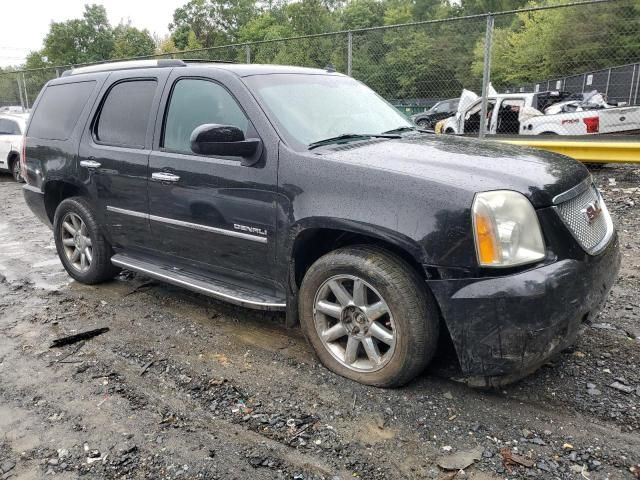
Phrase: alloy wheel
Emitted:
{"points": [[354, 323], [76, 242], [17, 174]]}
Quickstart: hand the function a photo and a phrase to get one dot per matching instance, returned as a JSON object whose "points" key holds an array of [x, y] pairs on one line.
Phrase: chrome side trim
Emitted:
{"points": [[206, 228], [164, 177], [32, 188], [195, 226], [573, 191], [124, 211], [195, 287], [90, 164]]}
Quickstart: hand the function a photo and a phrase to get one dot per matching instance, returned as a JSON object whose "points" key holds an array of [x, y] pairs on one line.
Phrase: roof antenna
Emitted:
{"points": [[330, 68]]}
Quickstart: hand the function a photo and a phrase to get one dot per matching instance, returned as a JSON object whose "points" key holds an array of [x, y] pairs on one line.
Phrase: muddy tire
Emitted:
{"points": [[369, 316], [82, 248]]}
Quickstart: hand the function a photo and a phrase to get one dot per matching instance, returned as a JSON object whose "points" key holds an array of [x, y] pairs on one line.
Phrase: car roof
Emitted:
{"points": [[240, 69], [15, 116]]}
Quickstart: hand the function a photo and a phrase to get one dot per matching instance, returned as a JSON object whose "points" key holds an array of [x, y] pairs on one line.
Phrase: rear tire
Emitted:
{"points": [[82, 248], [15, 170], [389, 294]]}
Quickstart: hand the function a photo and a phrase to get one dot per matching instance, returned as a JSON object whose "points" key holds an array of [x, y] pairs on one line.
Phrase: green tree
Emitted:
{"points": [[89, 39], [362, 14], [166, 45], [214, 22], [550, 43], [132, 42]]}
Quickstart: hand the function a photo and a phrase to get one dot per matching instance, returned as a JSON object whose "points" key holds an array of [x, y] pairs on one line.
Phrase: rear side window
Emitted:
{"points": [[58, 110], [9, 127], [124, 116]]}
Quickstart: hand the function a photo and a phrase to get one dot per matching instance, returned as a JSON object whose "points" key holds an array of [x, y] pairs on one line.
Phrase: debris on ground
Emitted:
{"points": [[205, 408], [460, 460], [510, 459], [71, 339], [622, 387]]}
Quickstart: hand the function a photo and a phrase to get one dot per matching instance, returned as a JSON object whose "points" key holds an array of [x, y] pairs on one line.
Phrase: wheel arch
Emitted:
{"points": [[55, 191], [313, 241], [13, 156]]}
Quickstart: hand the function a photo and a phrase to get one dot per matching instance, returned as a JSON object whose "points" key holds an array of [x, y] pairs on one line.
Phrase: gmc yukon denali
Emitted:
{"points": [[295, 189]]}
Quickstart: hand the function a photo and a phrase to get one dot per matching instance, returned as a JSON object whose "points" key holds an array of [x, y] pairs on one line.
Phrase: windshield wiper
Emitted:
{"points": [[350, 136], [399, 130]]}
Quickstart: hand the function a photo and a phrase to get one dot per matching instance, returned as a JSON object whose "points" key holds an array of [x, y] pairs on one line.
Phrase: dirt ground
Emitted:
{"points": [[183, 386]]}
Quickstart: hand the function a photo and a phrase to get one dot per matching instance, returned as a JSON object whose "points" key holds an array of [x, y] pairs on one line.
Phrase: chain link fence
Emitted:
{"points": [[571, 69]]}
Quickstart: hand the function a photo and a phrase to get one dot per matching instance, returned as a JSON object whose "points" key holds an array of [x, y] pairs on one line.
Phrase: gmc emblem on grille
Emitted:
{"points": [[592, 211]]}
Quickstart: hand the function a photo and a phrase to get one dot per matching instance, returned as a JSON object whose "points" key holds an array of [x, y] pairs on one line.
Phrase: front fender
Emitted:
{"points": [[391, 237]]}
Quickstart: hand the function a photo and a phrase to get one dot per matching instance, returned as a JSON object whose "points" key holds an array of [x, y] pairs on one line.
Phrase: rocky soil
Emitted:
{"points": [[182, 386]]}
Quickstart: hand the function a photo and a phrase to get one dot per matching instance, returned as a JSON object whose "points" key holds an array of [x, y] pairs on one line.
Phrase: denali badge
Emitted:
{"points": [[245, 228], [592, 211]]}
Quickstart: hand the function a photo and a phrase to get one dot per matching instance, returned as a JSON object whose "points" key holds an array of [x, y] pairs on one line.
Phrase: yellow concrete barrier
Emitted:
{"points": [[585, 151]]}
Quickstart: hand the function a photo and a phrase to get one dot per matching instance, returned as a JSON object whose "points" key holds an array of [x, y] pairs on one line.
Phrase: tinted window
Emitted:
{"points": [[8, 127], [58, 110], [442, 107], [124, 116], [194, 103]]}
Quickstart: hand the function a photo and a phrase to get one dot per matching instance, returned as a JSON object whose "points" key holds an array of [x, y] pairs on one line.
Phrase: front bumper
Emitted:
{"points": [[504, 328]]}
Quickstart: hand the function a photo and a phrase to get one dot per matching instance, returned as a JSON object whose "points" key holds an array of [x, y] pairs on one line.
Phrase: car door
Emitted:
{"points": [[213, 213], [114, 153]]}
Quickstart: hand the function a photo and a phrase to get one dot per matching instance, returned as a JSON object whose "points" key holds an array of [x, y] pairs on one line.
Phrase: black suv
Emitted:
{"points": [[440, 111], [283, 188]]}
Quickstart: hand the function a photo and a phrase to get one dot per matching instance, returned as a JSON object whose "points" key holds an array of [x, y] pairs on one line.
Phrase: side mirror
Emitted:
{"points": [[225, 141]]}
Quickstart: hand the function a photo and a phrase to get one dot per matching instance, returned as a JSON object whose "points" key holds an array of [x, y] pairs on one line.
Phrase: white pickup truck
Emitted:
{"points": [[542, 113]]}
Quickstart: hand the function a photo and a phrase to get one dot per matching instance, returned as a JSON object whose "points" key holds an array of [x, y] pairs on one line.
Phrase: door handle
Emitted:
{"points": [[89, 164], [164, 177]]}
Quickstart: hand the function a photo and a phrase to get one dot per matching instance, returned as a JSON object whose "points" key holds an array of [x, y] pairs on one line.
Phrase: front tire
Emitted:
{"points": [[82, 248], [369, 316]]}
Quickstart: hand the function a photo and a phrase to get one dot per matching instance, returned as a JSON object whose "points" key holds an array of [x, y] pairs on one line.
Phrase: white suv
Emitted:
{"points": [[12, 127]]}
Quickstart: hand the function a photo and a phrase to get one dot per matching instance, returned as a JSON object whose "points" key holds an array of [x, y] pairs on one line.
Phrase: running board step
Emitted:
{"points": [[212, 287]]}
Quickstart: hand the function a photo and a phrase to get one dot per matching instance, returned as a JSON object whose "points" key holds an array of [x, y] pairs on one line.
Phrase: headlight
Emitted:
{"points": [[506, 229]]}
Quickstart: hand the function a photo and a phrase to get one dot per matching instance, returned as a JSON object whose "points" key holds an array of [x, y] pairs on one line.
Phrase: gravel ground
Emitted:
{"points": [[186, 387]]}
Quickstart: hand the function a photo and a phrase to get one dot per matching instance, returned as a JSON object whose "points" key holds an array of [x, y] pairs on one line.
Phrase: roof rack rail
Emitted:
{"points": [[204, 60], [125, 65]]}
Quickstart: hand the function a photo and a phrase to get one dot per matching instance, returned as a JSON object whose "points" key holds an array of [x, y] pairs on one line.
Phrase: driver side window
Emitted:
{"points": [[195, 102]]}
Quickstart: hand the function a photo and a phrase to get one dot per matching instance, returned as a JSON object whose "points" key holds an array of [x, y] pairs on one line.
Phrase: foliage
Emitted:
{"points": [[551, 43], [89, 39], [214, 22], [435, 60], [131, 42]]}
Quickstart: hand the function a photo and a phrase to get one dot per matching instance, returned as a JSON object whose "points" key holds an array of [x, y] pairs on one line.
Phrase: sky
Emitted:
{"points": [[27, 22]]}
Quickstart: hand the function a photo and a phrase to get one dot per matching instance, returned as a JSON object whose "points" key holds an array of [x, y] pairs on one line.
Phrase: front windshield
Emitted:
{"points": [[310, 108]]}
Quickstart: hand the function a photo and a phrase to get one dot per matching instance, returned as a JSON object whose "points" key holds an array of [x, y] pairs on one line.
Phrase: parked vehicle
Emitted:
{"points": [[12, 128], [441, 110], [13, 109], [285, 188], [543, 113]]}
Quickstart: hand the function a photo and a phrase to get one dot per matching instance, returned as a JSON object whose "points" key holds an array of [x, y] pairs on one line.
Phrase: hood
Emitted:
{"points": [[466, 164]]}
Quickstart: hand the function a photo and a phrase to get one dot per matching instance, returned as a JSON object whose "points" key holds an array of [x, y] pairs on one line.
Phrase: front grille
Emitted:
{"points": [[592, 235]]}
